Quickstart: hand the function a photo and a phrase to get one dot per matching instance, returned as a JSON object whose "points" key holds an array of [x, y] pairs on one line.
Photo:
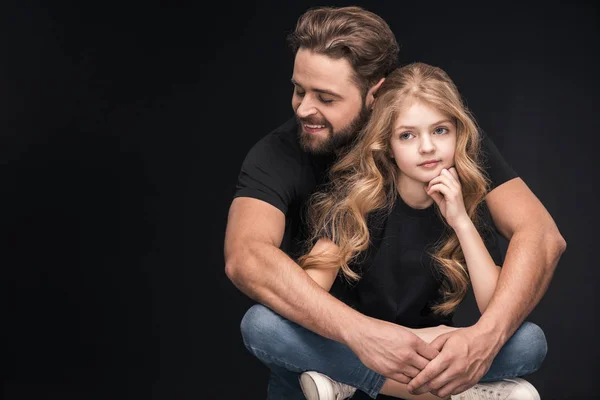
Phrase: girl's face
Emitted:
{"points": [[423, 143]]}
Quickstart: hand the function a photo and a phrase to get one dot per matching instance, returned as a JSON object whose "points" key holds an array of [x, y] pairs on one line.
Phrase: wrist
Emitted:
{"points": [[493, 329], [462, 224], [350, 332]]}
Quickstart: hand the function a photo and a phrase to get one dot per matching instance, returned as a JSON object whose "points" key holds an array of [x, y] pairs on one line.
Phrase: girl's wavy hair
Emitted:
{"points": [[358, 35], [363, 180]]}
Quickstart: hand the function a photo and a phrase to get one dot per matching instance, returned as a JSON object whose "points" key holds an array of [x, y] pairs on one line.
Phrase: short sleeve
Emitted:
{"points": [[496, 167], [267, 174]]}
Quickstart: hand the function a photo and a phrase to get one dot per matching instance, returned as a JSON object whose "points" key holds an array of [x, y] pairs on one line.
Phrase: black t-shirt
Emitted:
{"points": [[399, 280], [278, 171]]}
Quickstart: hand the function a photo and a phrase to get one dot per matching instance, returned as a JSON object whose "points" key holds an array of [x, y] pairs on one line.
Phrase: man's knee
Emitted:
{"points": [[521, 355], [256, 323], [264, 331], [530, 342]]}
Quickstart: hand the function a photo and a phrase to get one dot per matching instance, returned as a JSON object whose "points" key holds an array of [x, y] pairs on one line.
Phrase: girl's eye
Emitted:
{"points": [[440, 131], [406, 136], [326, 101]]}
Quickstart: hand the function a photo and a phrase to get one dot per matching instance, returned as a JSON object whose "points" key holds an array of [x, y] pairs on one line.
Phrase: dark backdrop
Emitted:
{"points": [[123, 127]]}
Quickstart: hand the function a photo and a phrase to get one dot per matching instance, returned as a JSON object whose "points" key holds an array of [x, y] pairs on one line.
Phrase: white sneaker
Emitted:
{"points": [[317, 386], [506, 389]]}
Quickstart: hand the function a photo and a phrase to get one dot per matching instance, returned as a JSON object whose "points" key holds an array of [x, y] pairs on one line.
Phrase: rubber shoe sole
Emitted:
{"points": [[527, 386], [313, 383]]}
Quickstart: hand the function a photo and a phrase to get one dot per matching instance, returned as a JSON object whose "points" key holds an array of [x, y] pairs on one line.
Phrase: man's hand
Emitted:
{"points": [[390, 349], [465, 356]]}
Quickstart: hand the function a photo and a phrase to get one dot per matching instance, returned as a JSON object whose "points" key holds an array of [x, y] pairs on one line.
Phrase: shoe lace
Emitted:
{"points": [[480, 393]]}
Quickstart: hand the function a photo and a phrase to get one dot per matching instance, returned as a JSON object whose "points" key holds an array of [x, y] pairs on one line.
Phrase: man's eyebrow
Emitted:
{"points": [[324, 91]]}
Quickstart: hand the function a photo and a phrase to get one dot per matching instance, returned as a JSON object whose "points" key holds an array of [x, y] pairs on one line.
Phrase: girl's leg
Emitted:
{"points": [[429, 334]]}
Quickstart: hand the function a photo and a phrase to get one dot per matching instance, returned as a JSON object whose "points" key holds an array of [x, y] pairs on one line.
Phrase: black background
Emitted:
{"points": [[123, 127]]}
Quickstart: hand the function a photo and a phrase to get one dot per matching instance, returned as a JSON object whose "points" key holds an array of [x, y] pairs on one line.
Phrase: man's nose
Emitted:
{"points": [[306, 108]]}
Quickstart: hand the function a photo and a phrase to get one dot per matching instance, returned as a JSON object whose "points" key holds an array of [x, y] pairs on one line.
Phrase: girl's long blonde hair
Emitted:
{"points": [[363, 180]]}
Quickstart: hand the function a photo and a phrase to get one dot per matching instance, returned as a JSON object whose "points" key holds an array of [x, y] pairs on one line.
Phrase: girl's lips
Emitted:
{"points": [[429, 164]]}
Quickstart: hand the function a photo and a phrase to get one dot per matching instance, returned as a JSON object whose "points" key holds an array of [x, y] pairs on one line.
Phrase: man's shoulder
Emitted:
{"points": [[276, 169], [280, 145], [284, 136], [493, 163]]}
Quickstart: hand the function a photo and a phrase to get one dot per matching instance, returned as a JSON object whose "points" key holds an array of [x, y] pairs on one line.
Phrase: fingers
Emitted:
{"points": [[443, 383], [447, 179], [400, 377], [418, 360], [410, 372], [420, 383], [450, 388], [437, 197], [454, 174], [427, 353], [419, 363], [437, 181], [440, 188], [439, 341], [450, 177], [458, 390], [447, 184]]}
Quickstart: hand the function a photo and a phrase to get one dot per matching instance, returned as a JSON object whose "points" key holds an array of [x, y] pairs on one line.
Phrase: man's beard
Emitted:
{"points": [[334, 140]]}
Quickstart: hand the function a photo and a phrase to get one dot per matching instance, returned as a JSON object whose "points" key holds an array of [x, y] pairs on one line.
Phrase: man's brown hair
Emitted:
{"points": [[358, 35]]}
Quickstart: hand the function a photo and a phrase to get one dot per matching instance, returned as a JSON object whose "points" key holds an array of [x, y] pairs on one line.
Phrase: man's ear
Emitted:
{"points": [[371, 93]]}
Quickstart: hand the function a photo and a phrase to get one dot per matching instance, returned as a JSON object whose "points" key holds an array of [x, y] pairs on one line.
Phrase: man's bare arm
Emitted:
{"points": [[535, 247], [256, 266]]}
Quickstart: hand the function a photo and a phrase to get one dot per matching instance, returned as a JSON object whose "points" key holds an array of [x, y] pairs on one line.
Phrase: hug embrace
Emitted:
{"points": [[359, 225]]}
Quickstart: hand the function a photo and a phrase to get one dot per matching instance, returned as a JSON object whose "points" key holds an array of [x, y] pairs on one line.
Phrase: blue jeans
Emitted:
{"points": [[288, 349]]}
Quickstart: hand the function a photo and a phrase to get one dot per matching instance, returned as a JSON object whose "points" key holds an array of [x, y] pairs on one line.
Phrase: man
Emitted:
{"points": [[342, 56]]}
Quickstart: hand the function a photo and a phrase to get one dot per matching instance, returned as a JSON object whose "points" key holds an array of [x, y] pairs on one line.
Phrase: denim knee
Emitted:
{"points": [[264, 331], [521, 355], [254, 323], [531, 343]]}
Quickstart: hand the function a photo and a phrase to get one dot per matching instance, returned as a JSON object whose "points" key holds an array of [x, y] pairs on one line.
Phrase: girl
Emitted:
{"points": [[416, 164]]}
